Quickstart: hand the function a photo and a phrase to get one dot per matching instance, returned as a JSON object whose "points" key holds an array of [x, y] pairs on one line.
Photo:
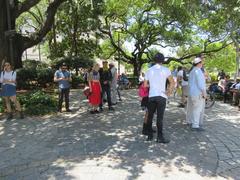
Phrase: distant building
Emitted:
{"points": [[34, 53]]}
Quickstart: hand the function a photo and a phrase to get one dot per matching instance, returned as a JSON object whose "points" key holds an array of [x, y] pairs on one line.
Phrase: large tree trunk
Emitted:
{"points": [[10, 43], [136, 69]]}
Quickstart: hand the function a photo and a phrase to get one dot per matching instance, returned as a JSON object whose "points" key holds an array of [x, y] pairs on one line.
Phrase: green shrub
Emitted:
{"points": [[30, 64], [1, 106], [213, 77], [38, 103], [76, 81], [26, 78], [44, 76]]}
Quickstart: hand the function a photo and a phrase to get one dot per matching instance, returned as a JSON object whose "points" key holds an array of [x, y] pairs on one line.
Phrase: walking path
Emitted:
{"points": [[109, 146]]}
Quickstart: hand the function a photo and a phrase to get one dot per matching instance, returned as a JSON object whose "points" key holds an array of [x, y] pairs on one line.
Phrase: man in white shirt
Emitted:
{"points": [[156, 78]]}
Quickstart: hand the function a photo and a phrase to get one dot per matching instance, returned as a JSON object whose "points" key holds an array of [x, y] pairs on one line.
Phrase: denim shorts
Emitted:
{"points": [[8, 90]]}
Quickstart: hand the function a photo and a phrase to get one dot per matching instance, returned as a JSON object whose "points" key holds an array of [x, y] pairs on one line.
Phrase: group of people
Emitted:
{"points": [[158, 85], [227, 88], [101, 83]]}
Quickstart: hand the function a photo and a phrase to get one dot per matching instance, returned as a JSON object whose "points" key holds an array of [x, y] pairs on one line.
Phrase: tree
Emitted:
{"points": [[13, 43], [148, 24], [221, 19], [76, 25]]}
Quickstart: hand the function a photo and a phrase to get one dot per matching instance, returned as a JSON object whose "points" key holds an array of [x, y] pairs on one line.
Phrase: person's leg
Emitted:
{"points": [[189, 111], [196, 110], [114, 92], [145, 127], [119, 95], [16, 103], [238, 98], [234, 99], [102, 95], [224, 96], [17, 106], [182, 97], [60, 100], [161, 105], [8, 104], [202, 102], [152, 105], [108, 92], [66, 94], [9, 109]]}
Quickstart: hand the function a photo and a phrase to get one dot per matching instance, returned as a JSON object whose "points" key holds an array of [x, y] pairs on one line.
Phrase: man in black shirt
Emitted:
{"points": [[105, 79]]}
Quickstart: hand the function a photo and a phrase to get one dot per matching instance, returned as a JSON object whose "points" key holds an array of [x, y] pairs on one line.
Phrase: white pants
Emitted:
{"points": [[114, 92], [195, 111]]}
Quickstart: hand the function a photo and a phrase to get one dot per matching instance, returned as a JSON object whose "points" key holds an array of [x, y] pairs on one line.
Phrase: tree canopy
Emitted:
{"points": [[127, 30]]}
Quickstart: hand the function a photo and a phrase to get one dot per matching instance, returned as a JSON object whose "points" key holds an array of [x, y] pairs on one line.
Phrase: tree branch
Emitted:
{"points": [[25, 6], [114, 44], [195, 54], [38, 36]]}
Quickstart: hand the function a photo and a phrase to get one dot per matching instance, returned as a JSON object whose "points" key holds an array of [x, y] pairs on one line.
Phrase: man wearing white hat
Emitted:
{"points": [[197, 95]]}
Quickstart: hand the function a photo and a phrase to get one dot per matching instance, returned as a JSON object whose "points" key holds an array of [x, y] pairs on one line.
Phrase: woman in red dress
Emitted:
{"points": [[95, 89]]}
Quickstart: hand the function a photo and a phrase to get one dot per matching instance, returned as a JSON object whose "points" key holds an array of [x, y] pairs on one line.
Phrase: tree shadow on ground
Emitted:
{"points": [[108, 145]]}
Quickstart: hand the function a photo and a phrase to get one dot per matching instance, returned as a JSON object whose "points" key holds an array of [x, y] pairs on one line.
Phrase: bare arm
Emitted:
{"points": [[146, 83], [57, 79], [179, 80], [90, 86], [170, 86], [70, 79]]}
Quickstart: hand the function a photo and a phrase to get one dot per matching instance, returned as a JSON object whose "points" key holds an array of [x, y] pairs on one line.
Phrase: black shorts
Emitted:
{"points": [[144, 102]]}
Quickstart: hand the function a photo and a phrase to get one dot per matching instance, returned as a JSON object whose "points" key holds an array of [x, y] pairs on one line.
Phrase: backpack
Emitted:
{"points": [[2, 73], [185, 75], [143, 91]]}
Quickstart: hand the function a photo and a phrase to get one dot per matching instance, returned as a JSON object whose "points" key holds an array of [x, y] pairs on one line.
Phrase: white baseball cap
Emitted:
{"points": [[197, 60]]}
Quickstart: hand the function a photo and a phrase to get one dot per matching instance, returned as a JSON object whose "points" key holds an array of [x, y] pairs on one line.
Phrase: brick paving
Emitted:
{"points": [[109, 146]]}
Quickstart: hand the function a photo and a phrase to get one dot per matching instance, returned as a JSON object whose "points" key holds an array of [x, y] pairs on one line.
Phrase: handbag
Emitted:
{"points": [[86, 91]]}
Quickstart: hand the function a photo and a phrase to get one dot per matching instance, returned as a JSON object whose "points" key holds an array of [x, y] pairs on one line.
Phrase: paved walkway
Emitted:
{"points": [[109, 146]]}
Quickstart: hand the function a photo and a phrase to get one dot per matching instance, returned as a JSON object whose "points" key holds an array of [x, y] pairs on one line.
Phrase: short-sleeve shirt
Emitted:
{"points": [[196, 82], [237, 86], [11, 75], [157, 76], [63, 84], [93, 75], [114, 74], [180, 74]]}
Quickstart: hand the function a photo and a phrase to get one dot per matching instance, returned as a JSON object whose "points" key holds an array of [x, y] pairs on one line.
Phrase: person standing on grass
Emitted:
{"points": [[8, 80], [155, 79], [63, 77]]}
